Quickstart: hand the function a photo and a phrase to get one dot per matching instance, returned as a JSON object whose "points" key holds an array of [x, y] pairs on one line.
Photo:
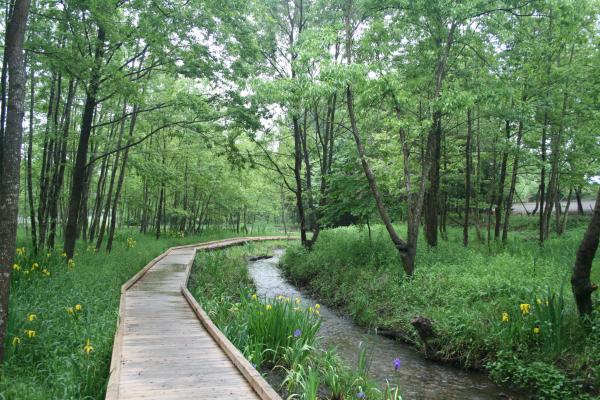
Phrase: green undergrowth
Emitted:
{"points": [[57, 306], [507, 309], [278, 336]]}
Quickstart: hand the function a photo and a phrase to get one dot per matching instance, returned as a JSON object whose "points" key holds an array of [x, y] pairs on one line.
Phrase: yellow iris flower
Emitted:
{"points": [[88, 347], [505, 317], [29, 333], [78, 307], [31, 317], [525, 308]]}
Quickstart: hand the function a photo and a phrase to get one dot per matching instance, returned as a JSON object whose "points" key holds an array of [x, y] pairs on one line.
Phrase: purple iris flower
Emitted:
{"points": [[397, 364], [360, 395], [297, 333]]}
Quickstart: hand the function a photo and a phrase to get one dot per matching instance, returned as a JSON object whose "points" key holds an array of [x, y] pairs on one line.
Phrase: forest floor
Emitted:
{"points": [[59, 307], [506, 309]]}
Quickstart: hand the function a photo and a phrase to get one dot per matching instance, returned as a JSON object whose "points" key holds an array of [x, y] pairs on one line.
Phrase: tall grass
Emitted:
{"points": [[465, 291], [47, 336], [276, 334]]}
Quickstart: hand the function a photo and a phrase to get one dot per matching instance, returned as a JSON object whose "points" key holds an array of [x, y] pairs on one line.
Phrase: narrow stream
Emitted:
{"points": [[417, 377]]}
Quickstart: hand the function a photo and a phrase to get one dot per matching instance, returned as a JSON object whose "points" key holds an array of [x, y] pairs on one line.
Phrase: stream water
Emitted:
{"points": [[417, 377]]}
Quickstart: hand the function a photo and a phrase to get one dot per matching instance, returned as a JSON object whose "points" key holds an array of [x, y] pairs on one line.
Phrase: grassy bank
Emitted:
{"points": [[57, 306], [278, 336], [506, 309]]}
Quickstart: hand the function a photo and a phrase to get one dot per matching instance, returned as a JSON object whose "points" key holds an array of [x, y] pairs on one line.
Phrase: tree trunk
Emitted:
{"points": [[468, 161], [78, 178], [580, 209], [30, 157], [11, 154], [501, 183], [113, 218], [513, 184], [580, 280]]}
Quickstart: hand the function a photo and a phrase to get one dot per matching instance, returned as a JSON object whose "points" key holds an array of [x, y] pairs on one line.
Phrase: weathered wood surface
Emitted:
{"points": [[166, 347]]}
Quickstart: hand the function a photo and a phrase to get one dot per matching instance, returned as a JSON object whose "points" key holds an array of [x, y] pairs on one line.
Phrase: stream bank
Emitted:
{"points": [[418, 378]]}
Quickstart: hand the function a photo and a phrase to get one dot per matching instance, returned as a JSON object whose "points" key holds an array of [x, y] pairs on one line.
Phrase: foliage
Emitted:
{"points": [[277, 335], [465, 292], [64, 316]]}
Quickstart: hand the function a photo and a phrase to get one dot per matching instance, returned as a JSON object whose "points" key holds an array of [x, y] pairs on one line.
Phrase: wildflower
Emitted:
{"points": [[70, 263], [16, 267], [536, 330], [280, 297], [538, 301], [78, 307], [311, 310], [397, 364], [20, 251], [70, 310], [88, 347], [297, 300], [26, 272], [360, 395], [16, 340], [31, 317], [296, 308], [525, 308], [34, 266], [317, 306], [297, 333], [64, 254], [254, 297], [288, 300], [30, 333], [45, 272], [268, 307], [504, 316]]}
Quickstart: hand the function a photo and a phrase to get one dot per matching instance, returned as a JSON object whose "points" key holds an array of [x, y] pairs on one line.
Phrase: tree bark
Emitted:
{"points": [[580, 280], [78, 178], [11, 154]]}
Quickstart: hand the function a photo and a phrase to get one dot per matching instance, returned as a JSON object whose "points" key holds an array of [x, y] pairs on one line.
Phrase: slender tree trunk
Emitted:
{"points": [[59, 173], [468, 167], [543, 181], [30, 157], [501, 183], [11, 154], [113, 218], [580, 209], [513, 184], [78, 178], [580, 280], [563, 225]]}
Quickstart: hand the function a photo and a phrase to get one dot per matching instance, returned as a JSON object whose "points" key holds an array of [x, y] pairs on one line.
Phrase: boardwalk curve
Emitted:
{"points": [[166, 347]]}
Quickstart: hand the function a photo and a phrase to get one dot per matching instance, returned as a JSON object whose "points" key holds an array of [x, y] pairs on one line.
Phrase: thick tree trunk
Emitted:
{"points": [[11, 154], [580, 280], [78, 179]]}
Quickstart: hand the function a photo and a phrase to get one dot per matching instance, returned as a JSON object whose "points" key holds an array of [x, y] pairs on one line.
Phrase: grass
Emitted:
{"points": [[48, 333], [277, 335], [466, 291]]}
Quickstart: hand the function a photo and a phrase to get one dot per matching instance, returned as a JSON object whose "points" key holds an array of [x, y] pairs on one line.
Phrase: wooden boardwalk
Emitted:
{"points": [[166, 347]]}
